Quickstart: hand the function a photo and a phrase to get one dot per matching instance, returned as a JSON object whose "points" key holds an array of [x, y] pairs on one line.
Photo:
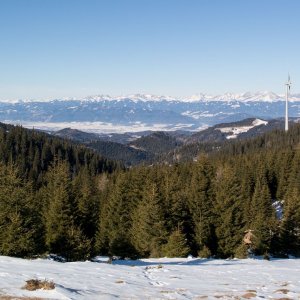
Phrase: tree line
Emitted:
{"points": [[75, 209]]}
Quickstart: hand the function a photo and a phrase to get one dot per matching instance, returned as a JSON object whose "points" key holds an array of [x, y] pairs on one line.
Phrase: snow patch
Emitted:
{"points": [[278, 206]]}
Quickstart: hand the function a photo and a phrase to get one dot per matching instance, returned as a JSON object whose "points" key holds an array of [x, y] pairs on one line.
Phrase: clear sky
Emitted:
{"points": [[61, 48]]}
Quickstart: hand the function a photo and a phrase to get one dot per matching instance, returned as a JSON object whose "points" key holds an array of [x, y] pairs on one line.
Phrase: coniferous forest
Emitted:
{"points": [[63, 198]]}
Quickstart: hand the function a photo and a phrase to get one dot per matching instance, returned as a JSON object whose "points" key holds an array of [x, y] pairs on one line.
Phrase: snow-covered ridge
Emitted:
{"points": [[264, 96], [235, 131]]}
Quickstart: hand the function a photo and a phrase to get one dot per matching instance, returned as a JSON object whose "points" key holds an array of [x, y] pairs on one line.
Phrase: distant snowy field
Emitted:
{"points": [[102, 127], [163, 278]]}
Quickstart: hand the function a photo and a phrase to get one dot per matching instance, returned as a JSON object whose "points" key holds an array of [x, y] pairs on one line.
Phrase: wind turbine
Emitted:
{"points": [[288, 88]]}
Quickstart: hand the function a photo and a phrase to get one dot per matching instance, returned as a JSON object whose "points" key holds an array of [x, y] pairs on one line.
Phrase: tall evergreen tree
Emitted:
{"points": [[148, 231], [19, 224], [228, 208], [290, 227], [200, 198], [87, 201], [115, 218], [62, 235], [177, 245], [262, 216]]}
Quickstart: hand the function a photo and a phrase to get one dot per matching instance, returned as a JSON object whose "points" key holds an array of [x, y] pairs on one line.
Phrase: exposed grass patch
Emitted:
{"points": [[283, 291], [249, 295], [120, 281], [154, 267], [166, 292], [36, 284], [227, 296], [285, 284]]}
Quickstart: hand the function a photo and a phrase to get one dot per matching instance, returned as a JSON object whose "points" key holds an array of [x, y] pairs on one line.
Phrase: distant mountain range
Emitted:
{"points": [[246, 97], [140, 113]]}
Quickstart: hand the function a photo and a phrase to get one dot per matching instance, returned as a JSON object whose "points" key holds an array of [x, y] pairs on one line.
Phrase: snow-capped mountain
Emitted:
{"points": [[264, 96], [245, 97], [141, 112]]}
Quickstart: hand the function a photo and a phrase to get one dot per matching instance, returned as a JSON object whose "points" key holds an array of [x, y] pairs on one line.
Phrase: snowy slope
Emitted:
{"points": [[235, 131], [155, 279]]}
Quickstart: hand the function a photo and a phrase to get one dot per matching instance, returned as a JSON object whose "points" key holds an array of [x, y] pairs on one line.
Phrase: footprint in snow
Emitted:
{"points": [[149, 273], [157, 283]]}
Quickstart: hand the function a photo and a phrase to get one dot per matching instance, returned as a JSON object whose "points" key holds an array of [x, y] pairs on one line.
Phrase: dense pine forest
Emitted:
{"points": [[62, 198]]}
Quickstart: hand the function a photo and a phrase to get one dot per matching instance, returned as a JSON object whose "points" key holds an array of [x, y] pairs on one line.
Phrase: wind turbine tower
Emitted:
{"points": [[288, 88]]}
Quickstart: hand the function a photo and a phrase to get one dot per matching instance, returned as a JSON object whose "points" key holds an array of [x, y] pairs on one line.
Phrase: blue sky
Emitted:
{"points": [[61, 48]]}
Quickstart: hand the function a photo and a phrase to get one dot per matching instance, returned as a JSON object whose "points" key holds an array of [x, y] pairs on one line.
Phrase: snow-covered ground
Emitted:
{"points": [[164, 278]]}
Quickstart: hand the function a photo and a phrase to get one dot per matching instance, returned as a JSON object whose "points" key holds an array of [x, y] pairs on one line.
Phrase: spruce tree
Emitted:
{"points": [[176, 245], [87, 201], [148, 231], [229, 220], [262, 216], [19, 223], [200, 201], [62, 235], [290, 226], [115, 217]]}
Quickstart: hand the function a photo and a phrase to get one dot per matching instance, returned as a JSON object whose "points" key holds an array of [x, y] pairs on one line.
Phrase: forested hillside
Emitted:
{"points": [[125, 154], [32, 152], [202, 207], [176, 146], [276, 139], [44, 183]]}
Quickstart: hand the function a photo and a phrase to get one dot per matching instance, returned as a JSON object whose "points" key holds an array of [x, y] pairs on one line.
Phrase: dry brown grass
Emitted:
{"points": [[36, 284], [227, 296], [166, 292], [285, 284], [120, 281], [249, 295], [154, 267], [282, 291]]}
